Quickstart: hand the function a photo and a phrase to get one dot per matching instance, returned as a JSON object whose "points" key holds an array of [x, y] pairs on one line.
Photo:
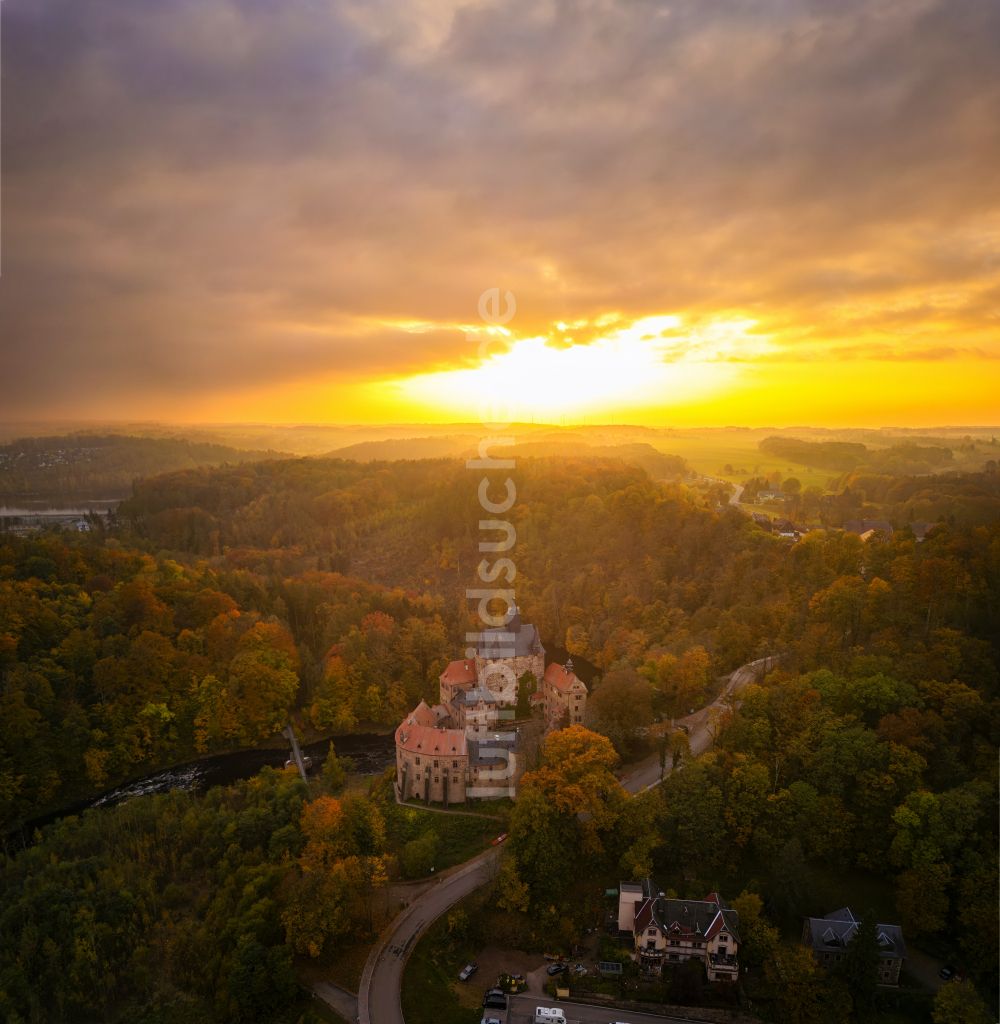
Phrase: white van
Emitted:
{"points": [[549, 1015]]}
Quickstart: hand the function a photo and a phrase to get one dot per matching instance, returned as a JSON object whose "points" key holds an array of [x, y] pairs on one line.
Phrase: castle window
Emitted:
{"points": [[417, 760], [454, 764]]}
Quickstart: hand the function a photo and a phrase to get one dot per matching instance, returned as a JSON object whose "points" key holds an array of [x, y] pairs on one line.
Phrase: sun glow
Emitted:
{"points": [[651, 362]]}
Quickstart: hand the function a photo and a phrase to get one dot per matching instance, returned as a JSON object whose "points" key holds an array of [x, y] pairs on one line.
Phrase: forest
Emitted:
{"points": [[229, 599], [76, 467], [115, 662], [182, 909]]}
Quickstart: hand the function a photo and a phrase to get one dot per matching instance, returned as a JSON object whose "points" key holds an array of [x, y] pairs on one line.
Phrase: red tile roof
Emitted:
{"points": [[557, 676], [425, 739], [421, 715], [460, 672]]}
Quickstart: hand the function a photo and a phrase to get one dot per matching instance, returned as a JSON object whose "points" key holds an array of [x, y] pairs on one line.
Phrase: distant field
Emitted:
{"points": [[709, 454]]}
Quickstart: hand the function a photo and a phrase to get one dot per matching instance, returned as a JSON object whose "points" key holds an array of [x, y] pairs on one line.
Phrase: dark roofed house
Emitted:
{"points": [[829, 937], [668, 931]]}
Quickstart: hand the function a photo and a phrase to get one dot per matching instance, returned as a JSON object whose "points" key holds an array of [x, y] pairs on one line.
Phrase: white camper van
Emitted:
{"points": [[549, 1015]]}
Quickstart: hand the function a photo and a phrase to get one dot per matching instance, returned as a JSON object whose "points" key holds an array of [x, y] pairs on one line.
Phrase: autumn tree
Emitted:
{"points": [[958, 1002], [621, 706], [566, 811]]}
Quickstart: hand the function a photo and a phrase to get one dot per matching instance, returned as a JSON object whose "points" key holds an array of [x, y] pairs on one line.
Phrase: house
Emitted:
{"points": [[829, 937], [868, 529], [668, 931], [765, 496], [564, 696]]}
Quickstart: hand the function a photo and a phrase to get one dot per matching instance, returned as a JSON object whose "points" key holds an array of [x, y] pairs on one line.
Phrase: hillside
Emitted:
{"points": [[82, 467]]}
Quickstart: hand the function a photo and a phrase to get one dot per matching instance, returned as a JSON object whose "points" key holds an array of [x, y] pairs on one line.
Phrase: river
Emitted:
{"points": [[371, 753]]}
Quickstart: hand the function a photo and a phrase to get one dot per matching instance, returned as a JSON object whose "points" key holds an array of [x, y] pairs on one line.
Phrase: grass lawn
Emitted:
{"points": [[460, 836]]}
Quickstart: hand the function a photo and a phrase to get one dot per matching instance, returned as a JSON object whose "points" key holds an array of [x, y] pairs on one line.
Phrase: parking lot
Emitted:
{"points": [[522, 1011]]}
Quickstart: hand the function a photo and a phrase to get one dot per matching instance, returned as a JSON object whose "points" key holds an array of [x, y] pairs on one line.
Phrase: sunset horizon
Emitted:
{"points": [[500, 511]]}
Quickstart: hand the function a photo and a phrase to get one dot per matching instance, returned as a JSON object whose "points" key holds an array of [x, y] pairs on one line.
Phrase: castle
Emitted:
{"points": [[465, 747]]}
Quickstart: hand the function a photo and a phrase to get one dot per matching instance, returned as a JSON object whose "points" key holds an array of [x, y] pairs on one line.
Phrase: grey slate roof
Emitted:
{"points": [[475, 696], [834, 931], [515, 640], [694, 916]]}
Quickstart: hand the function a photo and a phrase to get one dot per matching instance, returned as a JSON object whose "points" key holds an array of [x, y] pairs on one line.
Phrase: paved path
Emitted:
{"points": [[444, 810], [646, 774], [344, 1002], [382, 979], [923, 968]]}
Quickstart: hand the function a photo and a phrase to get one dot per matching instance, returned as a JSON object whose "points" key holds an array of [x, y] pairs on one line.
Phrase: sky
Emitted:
{"points": [[707, 211]]}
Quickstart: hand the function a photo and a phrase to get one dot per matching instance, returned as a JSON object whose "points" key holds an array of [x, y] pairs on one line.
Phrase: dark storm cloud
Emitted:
{"points": [[207, 194]]}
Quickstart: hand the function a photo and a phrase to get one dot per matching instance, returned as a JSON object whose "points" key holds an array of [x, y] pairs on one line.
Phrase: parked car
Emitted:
{"points": [[579, 969], [554, 969], [467, 971], [490, 1020], [495, 999], [947, 972], [500, 838]]}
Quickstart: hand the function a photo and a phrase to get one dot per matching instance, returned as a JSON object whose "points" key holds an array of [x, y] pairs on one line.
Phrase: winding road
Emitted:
{"points": [[646, 774], [382, 978]]}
